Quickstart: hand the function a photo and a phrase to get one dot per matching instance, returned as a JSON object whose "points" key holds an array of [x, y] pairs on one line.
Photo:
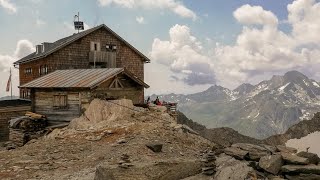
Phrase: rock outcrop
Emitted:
{"points": [[241, 161], [271, 163]]}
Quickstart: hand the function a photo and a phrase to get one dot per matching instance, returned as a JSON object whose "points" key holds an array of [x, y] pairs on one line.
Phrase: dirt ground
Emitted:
{"points": [[75, 154]]}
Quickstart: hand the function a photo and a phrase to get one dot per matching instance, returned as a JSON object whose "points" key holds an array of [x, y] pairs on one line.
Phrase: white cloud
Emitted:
{"points": [[24, 47], [255, 15], [140, 20], [8, 6], [260, 51], [304, 15], [183, 54], [175, 6]]}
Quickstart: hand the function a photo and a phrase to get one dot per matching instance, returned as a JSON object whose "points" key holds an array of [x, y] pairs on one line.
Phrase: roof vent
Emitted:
{"points": [[39, 49]]}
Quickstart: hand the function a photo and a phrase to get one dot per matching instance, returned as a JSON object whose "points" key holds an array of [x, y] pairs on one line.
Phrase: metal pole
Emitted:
{"points": [[11, 81], [78, 20]]}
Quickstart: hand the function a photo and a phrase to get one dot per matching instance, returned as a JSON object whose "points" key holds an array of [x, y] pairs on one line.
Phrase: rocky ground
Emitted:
{"points": [[115, 140], [105, 134]]}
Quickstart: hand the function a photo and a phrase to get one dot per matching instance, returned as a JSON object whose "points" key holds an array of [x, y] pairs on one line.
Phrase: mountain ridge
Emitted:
{"points": [[267, 108]]}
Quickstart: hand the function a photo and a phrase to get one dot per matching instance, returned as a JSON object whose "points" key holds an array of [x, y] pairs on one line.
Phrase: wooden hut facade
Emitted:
{"points": [[98, 47], [65, 94]]}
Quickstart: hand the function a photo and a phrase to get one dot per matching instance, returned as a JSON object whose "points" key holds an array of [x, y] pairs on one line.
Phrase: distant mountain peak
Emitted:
{"points": [[214, 87], [244, 88], [293, 75]]}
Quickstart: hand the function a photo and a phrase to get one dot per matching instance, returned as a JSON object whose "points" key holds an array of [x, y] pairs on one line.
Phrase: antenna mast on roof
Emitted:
{"points": [[78, 25]]}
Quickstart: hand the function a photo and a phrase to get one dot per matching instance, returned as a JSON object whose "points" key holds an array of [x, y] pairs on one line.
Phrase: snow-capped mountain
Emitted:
{"points": [[261, 110]]}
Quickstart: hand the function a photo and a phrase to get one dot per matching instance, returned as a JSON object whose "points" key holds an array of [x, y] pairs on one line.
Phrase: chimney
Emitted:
{"points": [[46, 46], [39, 49]]}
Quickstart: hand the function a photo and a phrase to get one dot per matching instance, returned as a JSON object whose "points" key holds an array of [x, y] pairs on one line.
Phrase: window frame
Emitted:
{"points": [[43, 70], [28, 71], [58, 103]]}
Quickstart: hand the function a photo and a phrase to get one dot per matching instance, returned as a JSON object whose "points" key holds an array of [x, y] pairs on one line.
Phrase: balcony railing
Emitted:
{"points": [[103, 57]]}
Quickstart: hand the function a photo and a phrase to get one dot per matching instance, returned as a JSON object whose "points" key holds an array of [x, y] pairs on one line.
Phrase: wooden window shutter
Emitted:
{"points": [[98, 46], [91, 46]]}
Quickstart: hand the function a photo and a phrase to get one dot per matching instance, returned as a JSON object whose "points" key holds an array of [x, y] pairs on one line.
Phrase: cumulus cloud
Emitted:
{"points": [[260, 51], [23, 48], [140, 20], [255, 15], [175, 6], [6, 4], [5, 62], [304, 16], [183, 54]]}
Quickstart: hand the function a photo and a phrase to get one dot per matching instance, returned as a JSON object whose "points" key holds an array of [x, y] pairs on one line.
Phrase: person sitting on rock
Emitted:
{"points": [[157, 101]]}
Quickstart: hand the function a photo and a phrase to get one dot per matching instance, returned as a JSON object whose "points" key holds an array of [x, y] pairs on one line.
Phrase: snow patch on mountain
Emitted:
{"points": [[232, 95], [315, 84], [259, 89], [283, 87], [305, 82], [305, 114]]}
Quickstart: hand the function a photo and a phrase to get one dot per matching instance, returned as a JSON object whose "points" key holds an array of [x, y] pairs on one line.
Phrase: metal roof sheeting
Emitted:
{"points": [[78, 78]]}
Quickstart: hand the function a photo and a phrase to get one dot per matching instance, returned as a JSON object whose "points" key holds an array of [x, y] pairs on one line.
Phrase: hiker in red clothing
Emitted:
{"points": [[157, 101]]}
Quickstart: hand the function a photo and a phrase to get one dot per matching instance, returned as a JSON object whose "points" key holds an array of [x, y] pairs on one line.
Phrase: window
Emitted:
{"points": [[26, 94], [60, 102], [28, 71], [43, 69], [111, 47], [95, 46]]}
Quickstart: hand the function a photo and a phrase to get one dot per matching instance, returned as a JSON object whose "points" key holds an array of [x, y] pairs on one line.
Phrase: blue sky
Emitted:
{"points": [[189, 42]]}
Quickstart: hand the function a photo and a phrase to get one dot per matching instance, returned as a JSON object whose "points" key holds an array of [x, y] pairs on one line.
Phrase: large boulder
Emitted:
{"points": [[236, 153], [272, 149], [294, 159], [101, 114], [286, 149], [271, 163], [229, 168], [306, 169], [255, 151], [313, 158]]}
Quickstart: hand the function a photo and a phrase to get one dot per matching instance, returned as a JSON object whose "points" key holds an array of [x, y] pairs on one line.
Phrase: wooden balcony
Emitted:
{"points": [[103, 57]]}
